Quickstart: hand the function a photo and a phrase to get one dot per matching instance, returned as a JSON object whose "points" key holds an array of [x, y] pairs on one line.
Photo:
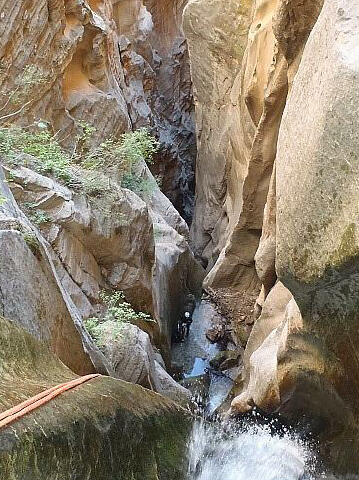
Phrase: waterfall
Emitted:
{"points": [[251, 453], [256, 448]]}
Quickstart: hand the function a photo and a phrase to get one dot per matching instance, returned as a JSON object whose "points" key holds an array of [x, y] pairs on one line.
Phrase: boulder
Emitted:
{"points": [[105, 428], [97, 240], [300, 359], [133, 359], [317, 211], [32, 294]]}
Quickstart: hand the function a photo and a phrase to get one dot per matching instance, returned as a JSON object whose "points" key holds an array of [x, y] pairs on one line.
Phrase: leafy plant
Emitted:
{"points": [[2, 200], [83, 140], [92, 326], [94, 184], [137, 145], [48, 157], [32, 242], [157, 232], [118, 312], [144, 187], [48, 154], [39, 217], [124, 153], [119, 309]]}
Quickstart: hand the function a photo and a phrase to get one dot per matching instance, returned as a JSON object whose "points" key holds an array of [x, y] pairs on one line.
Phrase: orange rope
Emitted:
{"points": [[42, 398]]}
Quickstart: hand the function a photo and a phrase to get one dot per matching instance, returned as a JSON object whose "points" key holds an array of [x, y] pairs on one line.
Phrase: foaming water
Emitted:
{"points": [[252, 453], [254, 448]]}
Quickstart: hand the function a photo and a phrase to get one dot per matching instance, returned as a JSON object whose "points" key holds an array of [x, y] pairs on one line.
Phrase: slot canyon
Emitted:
{"points": [[179, 240]]}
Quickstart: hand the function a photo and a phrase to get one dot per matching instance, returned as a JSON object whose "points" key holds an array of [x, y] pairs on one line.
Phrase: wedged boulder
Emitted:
{"points": [[32, 294], [105, 429], [168, 387]]}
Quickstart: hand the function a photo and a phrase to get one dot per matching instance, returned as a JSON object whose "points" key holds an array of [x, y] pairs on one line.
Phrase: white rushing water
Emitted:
{"points": [[258, 448], [254, 453]]}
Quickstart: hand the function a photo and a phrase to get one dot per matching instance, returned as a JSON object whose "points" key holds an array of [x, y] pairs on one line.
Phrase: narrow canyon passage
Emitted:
{"points": [[255, 447], [179, 224]]}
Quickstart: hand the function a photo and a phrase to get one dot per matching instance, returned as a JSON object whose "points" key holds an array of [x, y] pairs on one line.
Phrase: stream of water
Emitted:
{"points": [[224, 451], [253, 453]]}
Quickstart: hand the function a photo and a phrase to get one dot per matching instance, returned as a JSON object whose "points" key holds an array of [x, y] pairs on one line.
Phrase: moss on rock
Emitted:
{"points": [[105, 429]]}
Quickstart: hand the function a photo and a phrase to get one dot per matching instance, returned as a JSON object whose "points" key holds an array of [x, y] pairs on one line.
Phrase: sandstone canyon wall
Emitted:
{"points": [[111, 66], [276, 202], [72, 72], [117, 64], [261, 93]]}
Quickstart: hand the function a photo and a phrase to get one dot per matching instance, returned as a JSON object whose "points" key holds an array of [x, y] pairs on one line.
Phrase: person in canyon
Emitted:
{"points": [[187, 322], [151, 149]]}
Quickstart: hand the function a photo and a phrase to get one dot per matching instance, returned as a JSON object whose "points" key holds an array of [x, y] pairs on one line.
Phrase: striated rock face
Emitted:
{"points": [[107, 66], [105, 428], [97, 242], [216, 32], [31, 291], [158, 89], [117, 241], [238, 127], [60, 62], [301, 356], [116, 65]]}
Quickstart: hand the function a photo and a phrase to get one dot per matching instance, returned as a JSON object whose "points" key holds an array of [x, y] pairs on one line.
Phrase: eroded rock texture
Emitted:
{"points": [[117, 241], [301, 356], [32, 294], [240, 86], [115, 65], [104, 429]]}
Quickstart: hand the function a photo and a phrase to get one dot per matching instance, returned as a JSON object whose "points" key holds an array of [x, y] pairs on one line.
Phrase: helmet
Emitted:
{"points": [[187, 314]]}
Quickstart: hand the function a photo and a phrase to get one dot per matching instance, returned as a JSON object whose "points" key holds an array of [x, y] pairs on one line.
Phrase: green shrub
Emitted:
{"points": [[48, 157], [93, 328], [2, 200], [83, 141], [157, 232], [118, 312], [32, 242], [144, 187], [48, 154], [138, 144], [123, 153], [94, 184], [39, 217]]}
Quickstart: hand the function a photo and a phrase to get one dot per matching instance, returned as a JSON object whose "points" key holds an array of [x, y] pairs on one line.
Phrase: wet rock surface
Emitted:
{"points": [[104, 429]]}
